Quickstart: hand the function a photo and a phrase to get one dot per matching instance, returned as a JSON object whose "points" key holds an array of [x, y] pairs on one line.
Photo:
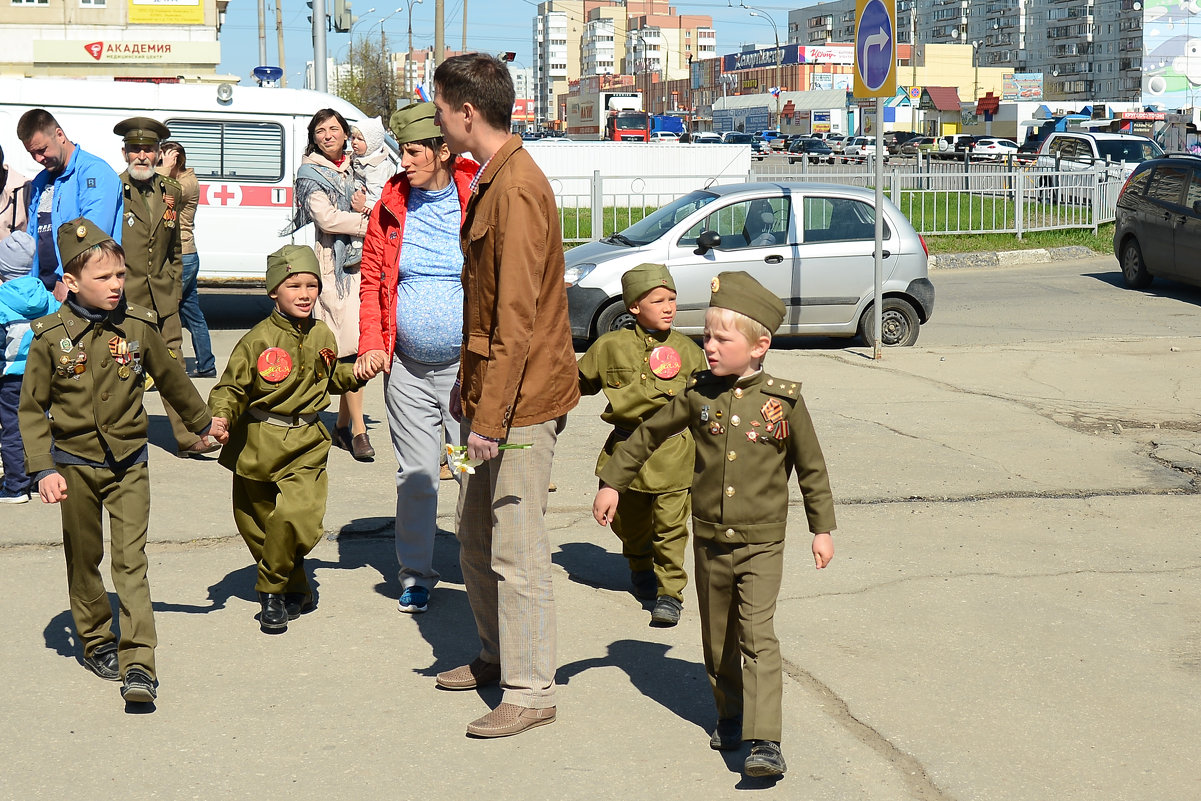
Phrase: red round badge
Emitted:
{"points": [[665, 362], [274, 365]]}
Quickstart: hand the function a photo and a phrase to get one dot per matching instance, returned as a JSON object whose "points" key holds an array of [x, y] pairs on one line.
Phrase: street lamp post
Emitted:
{"points": [[350, 44], [409, 55], [755, 12]]}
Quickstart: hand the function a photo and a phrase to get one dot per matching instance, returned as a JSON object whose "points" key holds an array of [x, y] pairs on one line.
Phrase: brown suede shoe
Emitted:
{"points": [[510, 719], [467, 677]]}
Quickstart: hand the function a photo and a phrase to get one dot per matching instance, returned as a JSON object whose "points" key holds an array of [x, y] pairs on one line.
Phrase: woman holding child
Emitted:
{"points": [[411, 326], [325, 195]]}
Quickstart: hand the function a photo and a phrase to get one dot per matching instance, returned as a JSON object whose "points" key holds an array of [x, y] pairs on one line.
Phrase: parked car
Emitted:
{"points": [[1157, 222], [836, 141], [760, 149], [813, 245], [946, 145], [706, 138], [664, 136], [813, 150], [993, 149], [919, 144], [1068, 157], [736, 138], [894, 139], [861, 148]]}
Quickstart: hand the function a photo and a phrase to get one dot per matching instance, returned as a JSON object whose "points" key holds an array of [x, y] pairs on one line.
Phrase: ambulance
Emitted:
{"points": [[244, 143]]}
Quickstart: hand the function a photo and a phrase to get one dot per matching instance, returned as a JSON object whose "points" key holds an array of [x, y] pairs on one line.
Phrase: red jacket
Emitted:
{"points": [[380, 272]]}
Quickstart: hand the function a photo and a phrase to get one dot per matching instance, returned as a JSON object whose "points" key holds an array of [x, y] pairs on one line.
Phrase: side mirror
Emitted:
{"points": [[708, 240]]}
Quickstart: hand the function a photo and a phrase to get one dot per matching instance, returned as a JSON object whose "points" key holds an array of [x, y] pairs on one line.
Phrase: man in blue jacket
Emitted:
{"points": [[73, 184]]}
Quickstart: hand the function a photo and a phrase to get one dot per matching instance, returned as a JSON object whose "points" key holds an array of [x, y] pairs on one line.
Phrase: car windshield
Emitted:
{"points": [[1128, 150], [654, 225], [630, 121], [738, 139]]}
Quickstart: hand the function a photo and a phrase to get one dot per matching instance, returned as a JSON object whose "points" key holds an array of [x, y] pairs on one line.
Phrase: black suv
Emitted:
{"points": [[894, 139], [1157, 225], [812, 150]]}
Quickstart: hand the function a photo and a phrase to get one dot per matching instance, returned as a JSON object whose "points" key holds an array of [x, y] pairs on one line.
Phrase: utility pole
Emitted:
{"points": [[279, 36], [262, 31], [439, 32], [319, 78]]}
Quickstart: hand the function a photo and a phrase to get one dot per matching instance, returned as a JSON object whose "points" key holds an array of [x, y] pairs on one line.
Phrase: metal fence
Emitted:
{"points": [[936, 197]]}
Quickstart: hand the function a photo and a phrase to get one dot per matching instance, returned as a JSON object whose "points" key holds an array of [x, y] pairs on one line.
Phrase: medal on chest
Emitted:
{"points": [[665, 362], [274, 365], [776, 426]]}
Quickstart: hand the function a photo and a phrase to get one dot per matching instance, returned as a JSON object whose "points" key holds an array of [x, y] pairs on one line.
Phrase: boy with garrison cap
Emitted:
{"points": [[752, 430], [279, 376], [84, 429], [640, 369]]}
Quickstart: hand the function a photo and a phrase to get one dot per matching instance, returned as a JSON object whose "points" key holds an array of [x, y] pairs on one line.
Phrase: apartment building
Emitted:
{"points": [[118, 38], [1083, 50]]}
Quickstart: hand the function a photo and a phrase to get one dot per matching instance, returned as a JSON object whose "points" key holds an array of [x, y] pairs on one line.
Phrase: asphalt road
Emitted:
{"points": [[1013, 612]]}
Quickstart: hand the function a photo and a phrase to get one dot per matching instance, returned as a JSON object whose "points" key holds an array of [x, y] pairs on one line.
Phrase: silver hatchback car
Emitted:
{"points": [[812, 244]]}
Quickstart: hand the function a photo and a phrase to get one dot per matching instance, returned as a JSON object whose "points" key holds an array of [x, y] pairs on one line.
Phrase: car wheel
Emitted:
{"points": [[898, 321], [613, 317], [1134, 269]]}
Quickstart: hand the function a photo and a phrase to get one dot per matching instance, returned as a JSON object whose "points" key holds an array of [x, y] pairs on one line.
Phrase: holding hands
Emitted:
{"points": [[369, 365], [219, 430]]}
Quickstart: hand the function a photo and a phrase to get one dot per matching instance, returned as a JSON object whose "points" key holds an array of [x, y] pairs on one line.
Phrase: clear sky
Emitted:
{"points": [[493, 26]]}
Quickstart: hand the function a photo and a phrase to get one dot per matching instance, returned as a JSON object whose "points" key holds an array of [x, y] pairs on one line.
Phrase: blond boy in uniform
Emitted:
{"points": [[752, 431]]}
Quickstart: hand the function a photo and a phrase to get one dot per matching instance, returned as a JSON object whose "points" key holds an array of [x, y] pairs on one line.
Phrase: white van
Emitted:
{"points": [[245, 144]]}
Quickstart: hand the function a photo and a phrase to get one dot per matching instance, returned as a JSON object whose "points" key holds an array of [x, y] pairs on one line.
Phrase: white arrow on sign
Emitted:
{"points": [[878, 39]]}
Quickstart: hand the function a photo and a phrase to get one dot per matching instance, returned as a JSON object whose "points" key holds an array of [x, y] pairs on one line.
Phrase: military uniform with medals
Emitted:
{"points": [[82, 416], [751, 434], [640, 371], [151, 237], [279, 376]]}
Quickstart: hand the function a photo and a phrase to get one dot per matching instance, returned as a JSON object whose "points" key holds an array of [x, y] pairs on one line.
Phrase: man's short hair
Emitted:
{"points": [[481, 80], [36, 120]]}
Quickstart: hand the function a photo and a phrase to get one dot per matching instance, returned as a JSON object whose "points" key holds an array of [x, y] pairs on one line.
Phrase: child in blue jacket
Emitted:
{"points": [[23, 299]]}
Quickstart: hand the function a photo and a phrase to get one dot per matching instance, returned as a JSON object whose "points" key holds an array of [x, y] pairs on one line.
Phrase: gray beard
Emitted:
{"points": [[139, 173]]}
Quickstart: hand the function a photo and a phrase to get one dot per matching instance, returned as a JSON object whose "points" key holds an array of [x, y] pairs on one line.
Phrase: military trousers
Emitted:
{"points": [[125, 494], [172, 331], [504, 551], [653, 528], [736, 589], [281, 523]]}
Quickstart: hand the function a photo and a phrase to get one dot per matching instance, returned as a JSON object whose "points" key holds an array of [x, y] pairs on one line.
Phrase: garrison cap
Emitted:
{"points": [[77, 236], [637, 281], [289, 260], [414, 123], [738, 291], [141, 131]]}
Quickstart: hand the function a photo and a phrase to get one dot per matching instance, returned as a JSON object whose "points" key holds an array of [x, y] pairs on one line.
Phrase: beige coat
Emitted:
{"points": [[341, 314], [14, 196]]}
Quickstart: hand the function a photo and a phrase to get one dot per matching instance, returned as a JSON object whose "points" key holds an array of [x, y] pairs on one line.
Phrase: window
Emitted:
{"points": [[1194, 190], [232, 151], [31, 2], [1167, 184], [750, 224], [832, 219], [92, 3]]}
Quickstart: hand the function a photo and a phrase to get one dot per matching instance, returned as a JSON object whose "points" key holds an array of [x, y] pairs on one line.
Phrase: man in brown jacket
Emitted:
{"points": [[518, 380]]}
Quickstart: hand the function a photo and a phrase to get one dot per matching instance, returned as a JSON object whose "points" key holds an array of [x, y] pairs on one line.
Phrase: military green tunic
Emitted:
{"points": [[98, 408], [740, 480], [620, 365], [150, 235], [88, 376], [279, 376]]}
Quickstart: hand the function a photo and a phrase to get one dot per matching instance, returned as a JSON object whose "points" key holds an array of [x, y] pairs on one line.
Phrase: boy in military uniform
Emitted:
{"points": [[279, 376], [640, 369], [151, 236], [84, 427], [752, 430]]}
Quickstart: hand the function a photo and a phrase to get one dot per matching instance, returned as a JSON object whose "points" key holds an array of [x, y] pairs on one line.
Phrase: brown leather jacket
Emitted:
{"points": [[518, 365]]}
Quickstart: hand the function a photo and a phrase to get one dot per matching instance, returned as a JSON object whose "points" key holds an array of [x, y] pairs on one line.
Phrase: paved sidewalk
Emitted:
{"points": [[1012, 613]]}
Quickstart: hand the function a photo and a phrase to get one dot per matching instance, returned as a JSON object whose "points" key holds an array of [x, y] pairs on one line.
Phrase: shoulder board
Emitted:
{"points": [[780, 388], [141, 313], [171, 182], [47, 323], [704, 377]]}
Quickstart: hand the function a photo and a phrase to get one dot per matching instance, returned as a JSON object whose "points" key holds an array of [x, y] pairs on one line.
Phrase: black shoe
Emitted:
{"points": [[727, 736], [666, 612], [204, 373], [645, 586], [103, 662], [273, 617], [765, 760], [138, 687], [299, 603]]}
